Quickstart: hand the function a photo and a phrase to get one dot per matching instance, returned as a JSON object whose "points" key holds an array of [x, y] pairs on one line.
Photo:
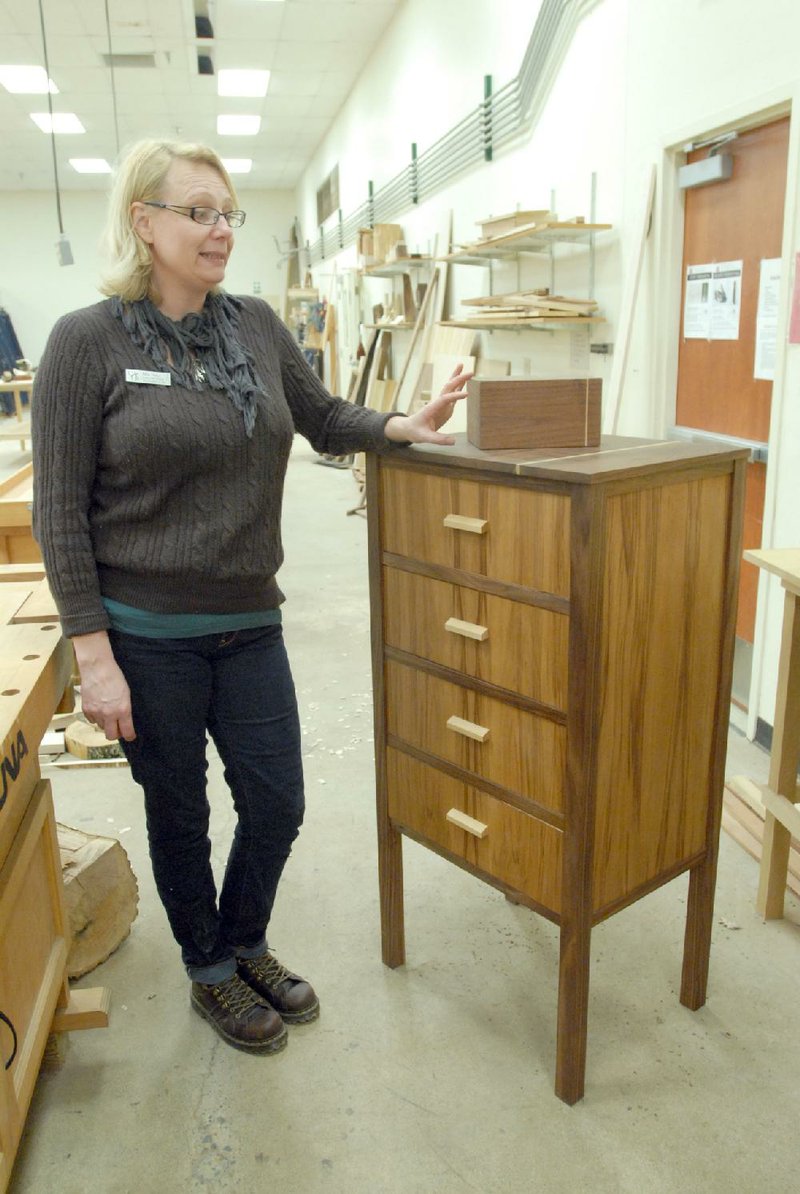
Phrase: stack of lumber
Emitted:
{"points": [[743, 820], [527, 307], [534, 237], [499, 225]]}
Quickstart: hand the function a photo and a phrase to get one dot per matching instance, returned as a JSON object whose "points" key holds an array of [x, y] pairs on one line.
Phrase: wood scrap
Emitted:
{"points": [[409, 306], [86, 741], [101, 895], [496, 225], [743, 820]]}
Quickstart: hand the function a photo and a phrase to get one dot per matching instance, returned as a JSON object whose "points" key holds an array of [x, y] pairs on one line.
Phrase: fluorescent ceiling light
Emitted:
{"points": [[27, 80], [238, 165], [238, 126], [242, 82], [90, 165], [62, 122]]}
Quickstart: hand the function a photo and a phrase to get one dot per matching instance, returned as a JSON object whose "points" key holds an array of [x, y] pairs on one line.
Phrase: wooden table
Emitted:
{"points": [[18, 387], [552, 652], [17, 544], [780, 794], [35, 998]]}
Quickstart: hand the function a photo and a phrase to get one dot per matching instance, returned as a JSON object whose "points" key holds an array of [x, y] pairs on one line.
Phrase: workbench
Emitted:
{"points": [[16, 388], [17, 544], [780, 794], [35, 999]]}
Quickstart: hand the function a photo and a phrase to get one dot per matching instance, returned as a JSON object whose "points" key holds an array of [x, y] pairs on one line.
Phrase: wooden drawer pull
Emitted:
{"points": [[476, 828], [468, 728], [467, 629], [460, 522]]}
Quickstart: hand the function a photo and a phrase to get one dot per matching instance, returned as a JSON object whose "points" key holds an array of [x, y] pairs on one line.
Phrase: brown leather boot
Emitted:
{"points": [[234, 1010], [289, 994]]}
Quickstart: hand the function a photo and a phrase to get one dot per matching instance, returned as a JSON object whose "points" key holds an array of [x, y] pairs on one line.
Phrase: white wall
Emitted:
{"points": [[639, 78], [36, 290]]}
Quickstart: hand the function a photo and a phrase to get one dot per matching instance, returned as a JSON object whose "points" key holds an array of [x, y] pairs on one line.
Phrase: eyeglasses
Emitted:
{"points": [[202, 215]]}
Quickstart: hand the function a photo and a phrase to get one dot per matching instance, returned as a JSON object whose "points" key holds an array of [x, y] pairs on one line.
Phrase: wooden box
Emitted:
{"points": [[376, 243], [533, 413]]}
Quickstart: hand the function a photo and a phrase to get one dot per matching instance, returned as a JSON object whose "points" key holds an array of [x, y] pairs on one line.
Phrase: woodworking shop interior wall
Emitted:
{"points": [[638, 79], [36, 290]]}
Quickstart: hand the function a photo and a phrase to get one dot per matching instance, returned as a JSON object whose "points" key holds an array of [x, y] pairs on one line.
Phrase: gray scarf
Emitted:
{"points": [[200, 351]]}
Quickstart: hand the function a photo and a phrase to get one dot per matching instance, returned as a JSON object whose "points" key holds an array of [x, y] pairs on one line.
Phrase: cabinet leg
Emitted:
{"points": [[697, 939], [573, 1012], [390, 880]]}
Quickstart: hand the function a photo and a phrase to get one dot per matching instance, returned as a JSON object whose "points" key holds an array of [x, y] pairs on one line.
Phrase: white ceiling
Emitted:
{"points": [[315, 50]]}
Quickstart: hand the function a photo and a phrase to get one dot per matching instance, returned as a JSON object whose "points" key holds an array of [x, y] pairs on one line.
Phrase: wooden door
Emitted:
{"points": [[740, 219]]}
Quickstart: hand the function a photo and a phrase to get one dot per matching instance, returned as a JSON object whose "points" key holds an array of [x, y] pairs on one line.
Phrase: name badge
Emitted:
{"points": [[144, 377]]}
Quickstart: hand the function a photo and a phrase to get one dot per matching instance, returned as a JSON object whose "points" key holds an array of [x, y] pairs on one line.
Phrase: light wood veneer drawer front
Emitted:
{"points": [[520, 647], [515, 848], [503, 744], [519, 536]]}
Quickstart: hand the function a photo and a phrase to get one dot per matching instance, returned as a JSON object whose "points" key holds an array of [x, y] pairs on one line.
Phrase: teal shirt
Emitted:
{"points": [[147, 624]]}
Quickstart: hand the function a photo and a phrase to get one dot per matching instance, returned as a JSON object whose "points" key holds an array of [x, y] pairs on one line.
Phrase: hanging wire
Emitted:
{"points": [[111, 68], [52, 130]]}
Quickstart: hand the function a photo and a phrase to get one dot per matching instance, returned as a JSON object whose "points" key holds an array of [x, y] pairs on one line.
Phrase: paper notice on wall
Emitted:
{"points": [[696, 307], [767, 319], [713, 301]]}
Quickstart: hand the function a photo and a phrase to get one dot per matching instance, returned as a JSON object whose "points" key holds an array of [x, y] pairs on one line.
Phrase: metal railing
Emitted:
{"points": [[490, 127]]}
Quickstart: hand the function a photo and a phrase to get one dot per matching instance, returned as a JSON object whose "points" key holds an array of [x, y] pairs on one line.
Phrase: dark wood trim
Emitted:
{"points": [[475, 685], [703, 876], [390, 842], [644, 889], [482, 584], [587, 560], [511, 893], [524, 803]]}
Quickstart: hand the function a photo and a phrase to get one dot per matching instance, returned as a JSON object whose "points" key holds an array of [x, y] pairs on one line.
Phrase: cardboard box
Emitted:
{"points": [[533, 412]]}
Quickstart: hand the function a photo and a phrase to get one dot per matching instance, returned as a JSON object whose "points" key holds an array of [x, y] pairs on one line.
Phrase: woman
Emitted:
{"points": [[163, 421]]}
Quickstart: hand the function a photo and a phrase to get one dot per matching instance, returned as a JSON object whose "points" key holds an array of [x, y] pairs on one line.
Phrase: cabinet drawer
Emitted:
{"points": [[501, 743], [522, 647], [516, 535], [515, 848]]}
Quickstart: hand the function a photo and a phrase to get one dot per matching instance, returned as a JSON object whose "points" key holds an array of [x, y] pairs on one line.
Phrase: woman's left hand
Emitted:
{"points": [[423, 426]]}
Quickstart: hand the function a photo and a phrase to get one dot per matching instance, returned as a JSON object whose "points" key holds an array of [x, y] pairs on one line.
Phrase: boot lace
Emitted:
{"points": [[235, 995], [268, 970]]}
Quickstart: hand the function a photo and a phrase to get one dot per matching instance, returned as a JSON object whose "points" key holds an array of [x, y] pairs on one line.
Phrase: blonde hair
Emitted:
{"points": [[140, 176]]}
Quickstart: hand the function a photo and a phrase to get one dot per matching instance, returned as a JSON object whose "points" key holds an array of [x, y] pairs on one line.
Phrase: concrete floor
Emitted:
{"points": [[437, 1076]]}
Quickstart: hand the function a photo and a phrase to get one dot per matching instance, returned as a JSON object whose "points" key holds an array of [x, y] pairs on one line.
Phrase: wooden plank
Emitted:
{"points": [[19, 572], [780, 561], [88, 1007], [39, 606]]}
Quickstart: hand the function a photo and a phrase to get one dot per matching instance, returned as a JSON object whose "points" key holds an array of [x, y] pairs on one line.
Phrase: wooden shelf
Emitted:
{"points": [[390, 327], [391, 269], [520, 325], [530, 240]]}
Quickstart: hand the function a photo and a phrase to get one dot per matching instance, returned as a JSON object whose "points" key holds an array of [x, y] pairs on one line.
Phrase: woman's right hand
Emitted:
{"points": [[105, 696]]}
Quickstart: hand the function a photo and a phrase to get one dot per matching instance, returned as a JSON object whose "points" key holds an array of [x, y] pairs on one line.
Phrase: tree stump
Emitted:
{"points": [[102, 896]]}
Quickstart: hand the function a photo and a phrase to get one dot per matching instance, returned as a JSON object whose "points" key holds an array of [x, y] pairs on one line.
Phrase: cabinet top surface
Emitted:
{"points": [[615, 457]]}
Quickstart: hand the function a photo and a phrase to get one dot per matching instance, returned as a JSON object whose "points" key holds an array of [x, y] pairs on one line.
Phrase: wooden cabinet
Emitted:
{"points": [[552, 651]]}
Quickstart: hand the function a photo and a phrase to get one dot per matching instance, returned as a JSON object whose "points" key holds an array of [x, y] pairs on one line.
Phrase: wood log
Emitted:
{"points": [[86, 741], [101, 893]]}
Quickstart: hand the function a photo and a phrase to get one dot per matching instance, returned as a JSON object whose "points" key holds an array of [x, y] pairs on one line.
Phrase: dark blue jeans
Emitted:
{"points": [[238, 688]]}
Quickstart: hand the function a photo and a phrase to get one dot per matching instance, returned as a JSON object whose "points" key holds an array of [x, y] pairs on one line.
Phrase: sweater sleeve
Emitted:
{"points": [[66, 415], [331, 425]]}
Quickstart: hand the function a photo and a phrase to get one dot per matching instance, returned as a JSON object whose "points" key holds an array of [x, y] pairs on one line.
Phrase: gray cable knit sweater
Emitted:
{"points": [[153, 495]]}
